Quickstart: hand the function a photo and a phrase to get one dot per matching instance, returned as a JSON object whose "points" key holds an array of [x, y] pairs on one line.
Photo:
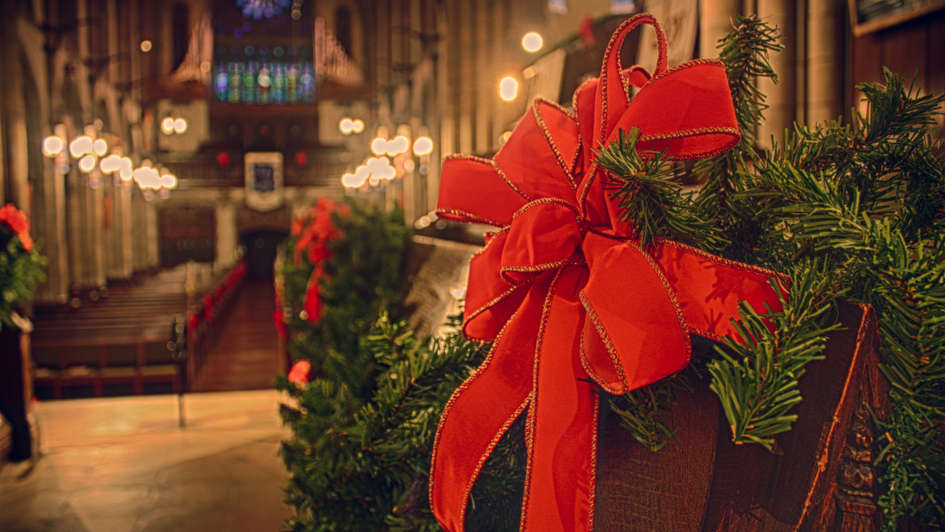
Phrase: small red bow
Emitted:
{"points": [[566, 293], [314, 238]]}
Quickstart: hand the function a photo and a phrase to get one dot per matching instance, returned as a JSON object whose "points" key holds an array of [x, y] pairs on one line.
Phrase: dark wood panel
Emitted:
{"points": [[914, 50], [186, 234]]}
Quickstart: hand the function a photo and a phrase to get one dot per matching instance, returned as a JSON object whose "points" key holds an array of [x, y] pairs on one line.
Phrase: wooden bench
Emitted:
{"points": [[122, 344], [205, 319]]}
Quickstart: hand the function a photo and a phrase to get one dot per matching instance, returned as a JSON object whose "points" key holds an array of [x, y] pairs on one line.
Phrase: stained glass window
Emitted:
{"points": [[248, 75]]}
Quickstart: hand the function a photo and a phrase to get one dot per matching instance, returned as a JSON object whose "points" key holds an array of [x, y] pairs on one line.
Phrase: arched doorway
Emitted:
{"points": [[260, 234], [261, 247]]}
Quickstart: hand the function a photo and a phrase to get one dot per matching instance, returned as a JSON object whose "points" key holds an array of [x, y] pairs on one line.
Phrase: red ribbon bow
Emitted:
{"points": [[567, 294], [314, 239]]}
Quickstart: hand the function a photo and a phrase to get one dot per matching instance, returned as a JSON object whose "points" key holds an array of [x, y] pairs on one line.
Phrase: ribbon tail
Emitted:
{"points": [[561, 428], [710, 288], [482, 409], [313, 301]]}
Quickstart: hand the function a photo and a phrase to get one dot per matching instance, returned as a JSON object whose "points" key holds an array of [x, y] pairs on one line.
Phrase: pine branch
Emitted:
{"points": [[653, 204], [867, 198], [756, 379], [744, 51], [642, 411]]}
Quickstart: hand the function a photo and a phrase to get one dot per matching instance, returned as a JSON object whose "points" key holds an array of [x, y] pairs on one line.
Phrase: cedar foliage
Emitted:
{"points": [[848, 209]]}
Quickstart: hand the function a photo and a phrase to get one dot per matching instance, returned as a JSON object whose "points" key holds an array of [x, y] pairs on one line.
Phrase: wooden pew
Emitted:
{"points": [[123, 342]]}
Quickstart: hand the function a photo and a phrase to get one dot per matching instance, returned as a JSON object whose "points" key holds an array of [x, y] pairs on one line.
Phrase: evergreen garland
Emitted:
{"points": [[361, 461], [363, 428], [362, 279], [849, 210], [21, 265]]}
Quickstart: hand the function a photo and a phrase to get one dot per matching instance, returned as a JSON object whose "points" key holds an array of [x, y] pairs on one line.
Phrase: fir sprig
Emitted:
{"points": [[756, 375], [361, 463], [853, 209], [744, 52], [20, 272], [642, 411], [652, 202]]}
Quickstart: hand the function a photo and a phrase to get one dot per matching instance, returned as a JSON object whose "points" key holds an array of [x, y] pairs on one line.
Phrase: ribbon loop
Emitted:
{"points": [[613, 94], [464, 181], [538, 157], [543, 236], [684, 112], [635, 333]]}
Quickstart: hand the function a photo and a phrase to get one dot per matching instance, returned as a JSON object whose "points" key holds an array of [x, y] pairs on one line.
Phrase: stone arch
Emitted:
{"points": [[35, 64], [260, 234], [34, 121], [330, 11]]}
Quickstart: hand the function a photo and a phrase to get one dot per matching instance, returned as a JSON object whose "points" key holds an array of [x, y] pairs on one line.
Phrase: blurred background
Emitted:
{"points": [[161, 150]]}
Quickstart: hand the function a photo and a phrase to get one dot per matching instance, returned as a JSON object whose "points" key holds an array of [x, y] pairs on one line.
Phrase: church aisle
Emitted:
{"points": [[123, 464], [246, 356]]}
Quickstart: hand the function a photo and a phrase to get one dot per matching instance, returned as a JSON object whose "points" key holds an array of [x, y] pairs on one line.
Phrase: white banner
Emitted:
{"points": [[263, 176]]}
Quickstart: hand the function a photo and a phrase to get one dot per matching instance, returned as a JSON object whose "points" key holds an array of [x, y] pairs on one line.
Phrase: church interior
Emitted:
{"points": [[227, 219]]}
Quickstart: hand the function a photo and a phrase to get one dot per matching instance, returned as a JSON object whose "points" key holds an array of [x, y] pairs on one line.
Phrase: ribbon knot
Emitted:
{"points": [[566, 294]]}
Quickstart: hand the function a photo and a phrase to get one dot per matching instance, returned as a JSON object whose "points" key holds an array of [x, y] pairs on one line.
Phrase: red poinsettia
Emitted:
{"points": [[18, 223], [300, 374]]}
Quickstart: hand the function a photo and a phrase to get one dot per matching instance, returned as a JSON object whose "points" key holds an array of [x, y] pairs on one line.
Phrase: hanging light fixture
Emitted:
{"points": [[80, 146], [379, 145], [100, 147], [508, 88], [532, 42], [110, 164], [53, 145], [398, 145], [87, 163], [423, 146], [125, 169], [167, 125]]}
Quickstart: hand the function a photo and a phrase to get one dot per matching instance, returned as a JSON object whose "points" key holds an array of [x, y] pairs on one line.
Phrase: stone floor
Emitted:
{"points": [[123, 464]]}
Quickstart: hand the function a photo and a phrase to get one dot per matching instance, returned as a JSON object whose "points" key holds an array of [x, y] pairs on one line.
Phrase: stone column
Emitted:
{"points": [[122, 227], [505, 114], [139, 230], [714, 22], [15, 180], [468, 77], [110, 228], [96, 235], [447, 64], [485, 75], [3, 168], [227, 239], [152, 235], [75, 184], [780, 96], [49, 224], [825, 67]]}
